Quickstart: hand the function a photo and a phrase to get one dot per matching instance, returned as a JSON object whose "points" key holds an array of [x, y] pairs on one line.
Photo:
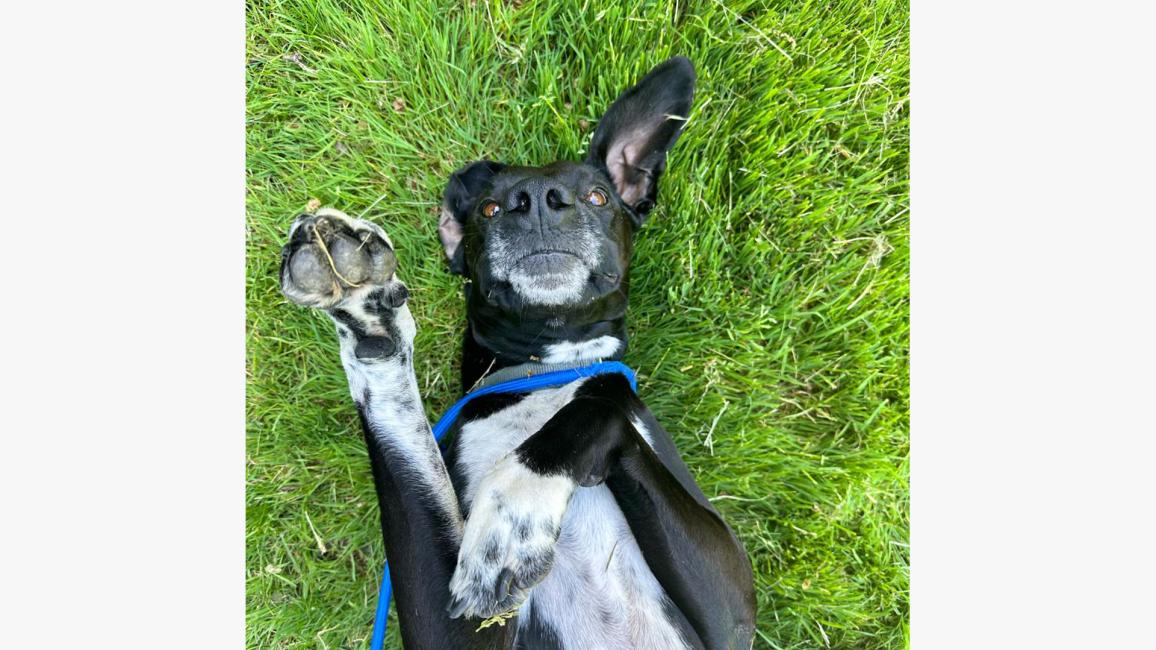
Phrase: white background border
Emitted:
{"points": [[122, 468], [1032, 325]]}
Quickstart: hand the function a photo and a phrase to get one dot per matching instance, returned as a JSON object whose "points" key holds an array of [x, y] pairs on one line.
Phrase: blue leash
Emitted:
{"points": [[519, 385]]}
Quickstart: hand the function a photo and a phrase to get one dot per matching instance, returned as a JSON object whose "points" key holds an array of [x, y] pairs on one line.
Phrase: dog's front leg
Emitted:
{"points": [[598, 438], [516, 515], [346, 268]]}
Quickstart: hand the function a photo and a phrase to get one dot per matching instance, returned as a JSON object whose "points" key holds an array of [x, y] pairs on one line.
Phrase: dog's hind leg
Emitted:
{"points": [[347, 268]]}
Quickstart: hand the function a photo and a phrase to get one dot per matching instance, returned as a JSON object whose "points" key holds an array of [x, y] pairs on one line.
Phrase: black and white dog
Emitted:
{"points": [[571, 504]]}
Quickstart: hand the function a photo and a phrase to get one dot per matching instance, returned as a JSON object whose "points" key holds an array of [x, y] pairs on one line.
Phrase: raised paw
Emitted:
{"points": [[330, 255], [347, 267], [508, 542]]}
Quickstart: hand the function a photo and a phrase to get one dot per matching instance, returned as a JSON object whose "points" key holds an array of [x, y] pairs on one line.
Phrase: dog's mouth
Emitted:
{"points": [[549, 262], [550, 277]]}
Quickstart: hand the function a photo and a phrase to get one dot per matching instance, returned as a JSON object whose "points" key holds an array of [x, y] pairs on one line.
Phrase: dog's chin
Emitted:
{"points": [[550, 279]]}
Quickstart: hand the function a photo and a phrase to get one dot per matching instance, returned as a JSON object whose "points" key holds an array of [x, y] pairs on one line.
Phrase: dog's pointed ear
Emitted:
{"points": [[461, 194], [632, 139]]}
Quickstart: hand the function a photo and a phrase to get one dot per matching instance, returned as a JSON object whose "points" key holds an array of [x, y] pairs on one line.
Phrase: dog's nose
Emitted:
{"points": [[558, 197], [543, 202]]}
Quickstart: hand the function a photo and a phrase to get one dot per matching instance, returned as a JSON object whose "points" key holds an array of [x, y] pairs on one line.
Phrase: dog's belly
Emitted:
{"points": [[600, 592]]}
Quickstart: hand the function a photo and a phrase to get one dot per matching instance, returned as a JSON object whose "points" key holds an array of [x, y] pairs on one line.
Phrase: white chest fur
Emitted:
{"points": [[600, 592], [485, 441]]}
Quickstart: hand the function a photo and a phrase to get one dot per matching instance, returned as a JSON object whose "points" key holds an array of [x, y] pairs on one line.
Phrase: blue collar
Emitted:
{"points": [[538, 376]]}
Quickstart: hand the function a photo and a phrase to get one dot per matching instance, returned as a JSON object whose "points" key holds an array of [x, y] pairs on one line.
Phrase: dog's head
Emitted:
{"points": [[554, 242]]}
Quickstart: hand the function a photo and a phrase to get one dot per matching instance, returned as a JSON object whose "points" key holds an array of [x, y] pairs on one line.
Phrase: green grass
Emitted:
{"points": [[769, 311]]}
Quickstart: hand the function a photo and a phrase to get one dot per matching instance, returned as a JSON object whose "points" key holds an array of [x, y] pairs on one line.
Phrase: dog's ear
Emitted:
{"points": [[632, 139], [459, 198]]}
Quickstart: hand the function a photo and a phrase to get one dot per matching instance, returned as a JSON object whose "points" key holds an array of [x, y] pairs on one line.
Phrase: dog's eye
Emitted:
{"points": [[491, 209], [595, 198]]}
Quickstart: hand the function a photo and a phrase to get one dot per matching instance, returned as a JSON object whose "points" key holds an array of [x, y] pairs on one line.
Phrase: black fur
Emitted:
{"points": [[644, 110], [691, 551], [545, 213], [375, 347], [537, 634], [420, 565], [458, 199]]}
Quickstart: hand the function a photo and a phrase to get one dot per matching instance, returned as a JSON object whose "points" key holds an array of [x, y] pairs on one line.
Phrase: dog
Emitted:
{"points": [[569, 506]]}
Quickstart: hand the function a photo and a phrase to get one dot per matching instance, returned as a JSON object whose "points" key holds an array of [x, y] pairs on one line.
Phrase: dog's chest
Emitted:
{"points": [[484, 441], [600, 589]]}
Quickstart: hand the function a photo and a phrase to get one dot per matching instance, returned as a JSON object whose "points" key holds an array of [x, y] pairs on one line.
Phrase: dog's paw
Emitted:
{"points": [[509, 538], [347, 267], [330, 255]]}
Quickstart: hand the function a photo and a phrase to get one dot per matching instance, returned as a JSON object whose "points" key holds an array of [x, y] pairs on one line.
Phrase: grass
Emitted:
{"points": [[769, 311]]}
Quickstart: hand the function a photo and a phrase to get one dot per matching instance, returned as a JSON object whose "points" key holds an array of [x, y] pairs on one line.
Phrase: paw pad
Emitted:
{"points": [[330, 254]]}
